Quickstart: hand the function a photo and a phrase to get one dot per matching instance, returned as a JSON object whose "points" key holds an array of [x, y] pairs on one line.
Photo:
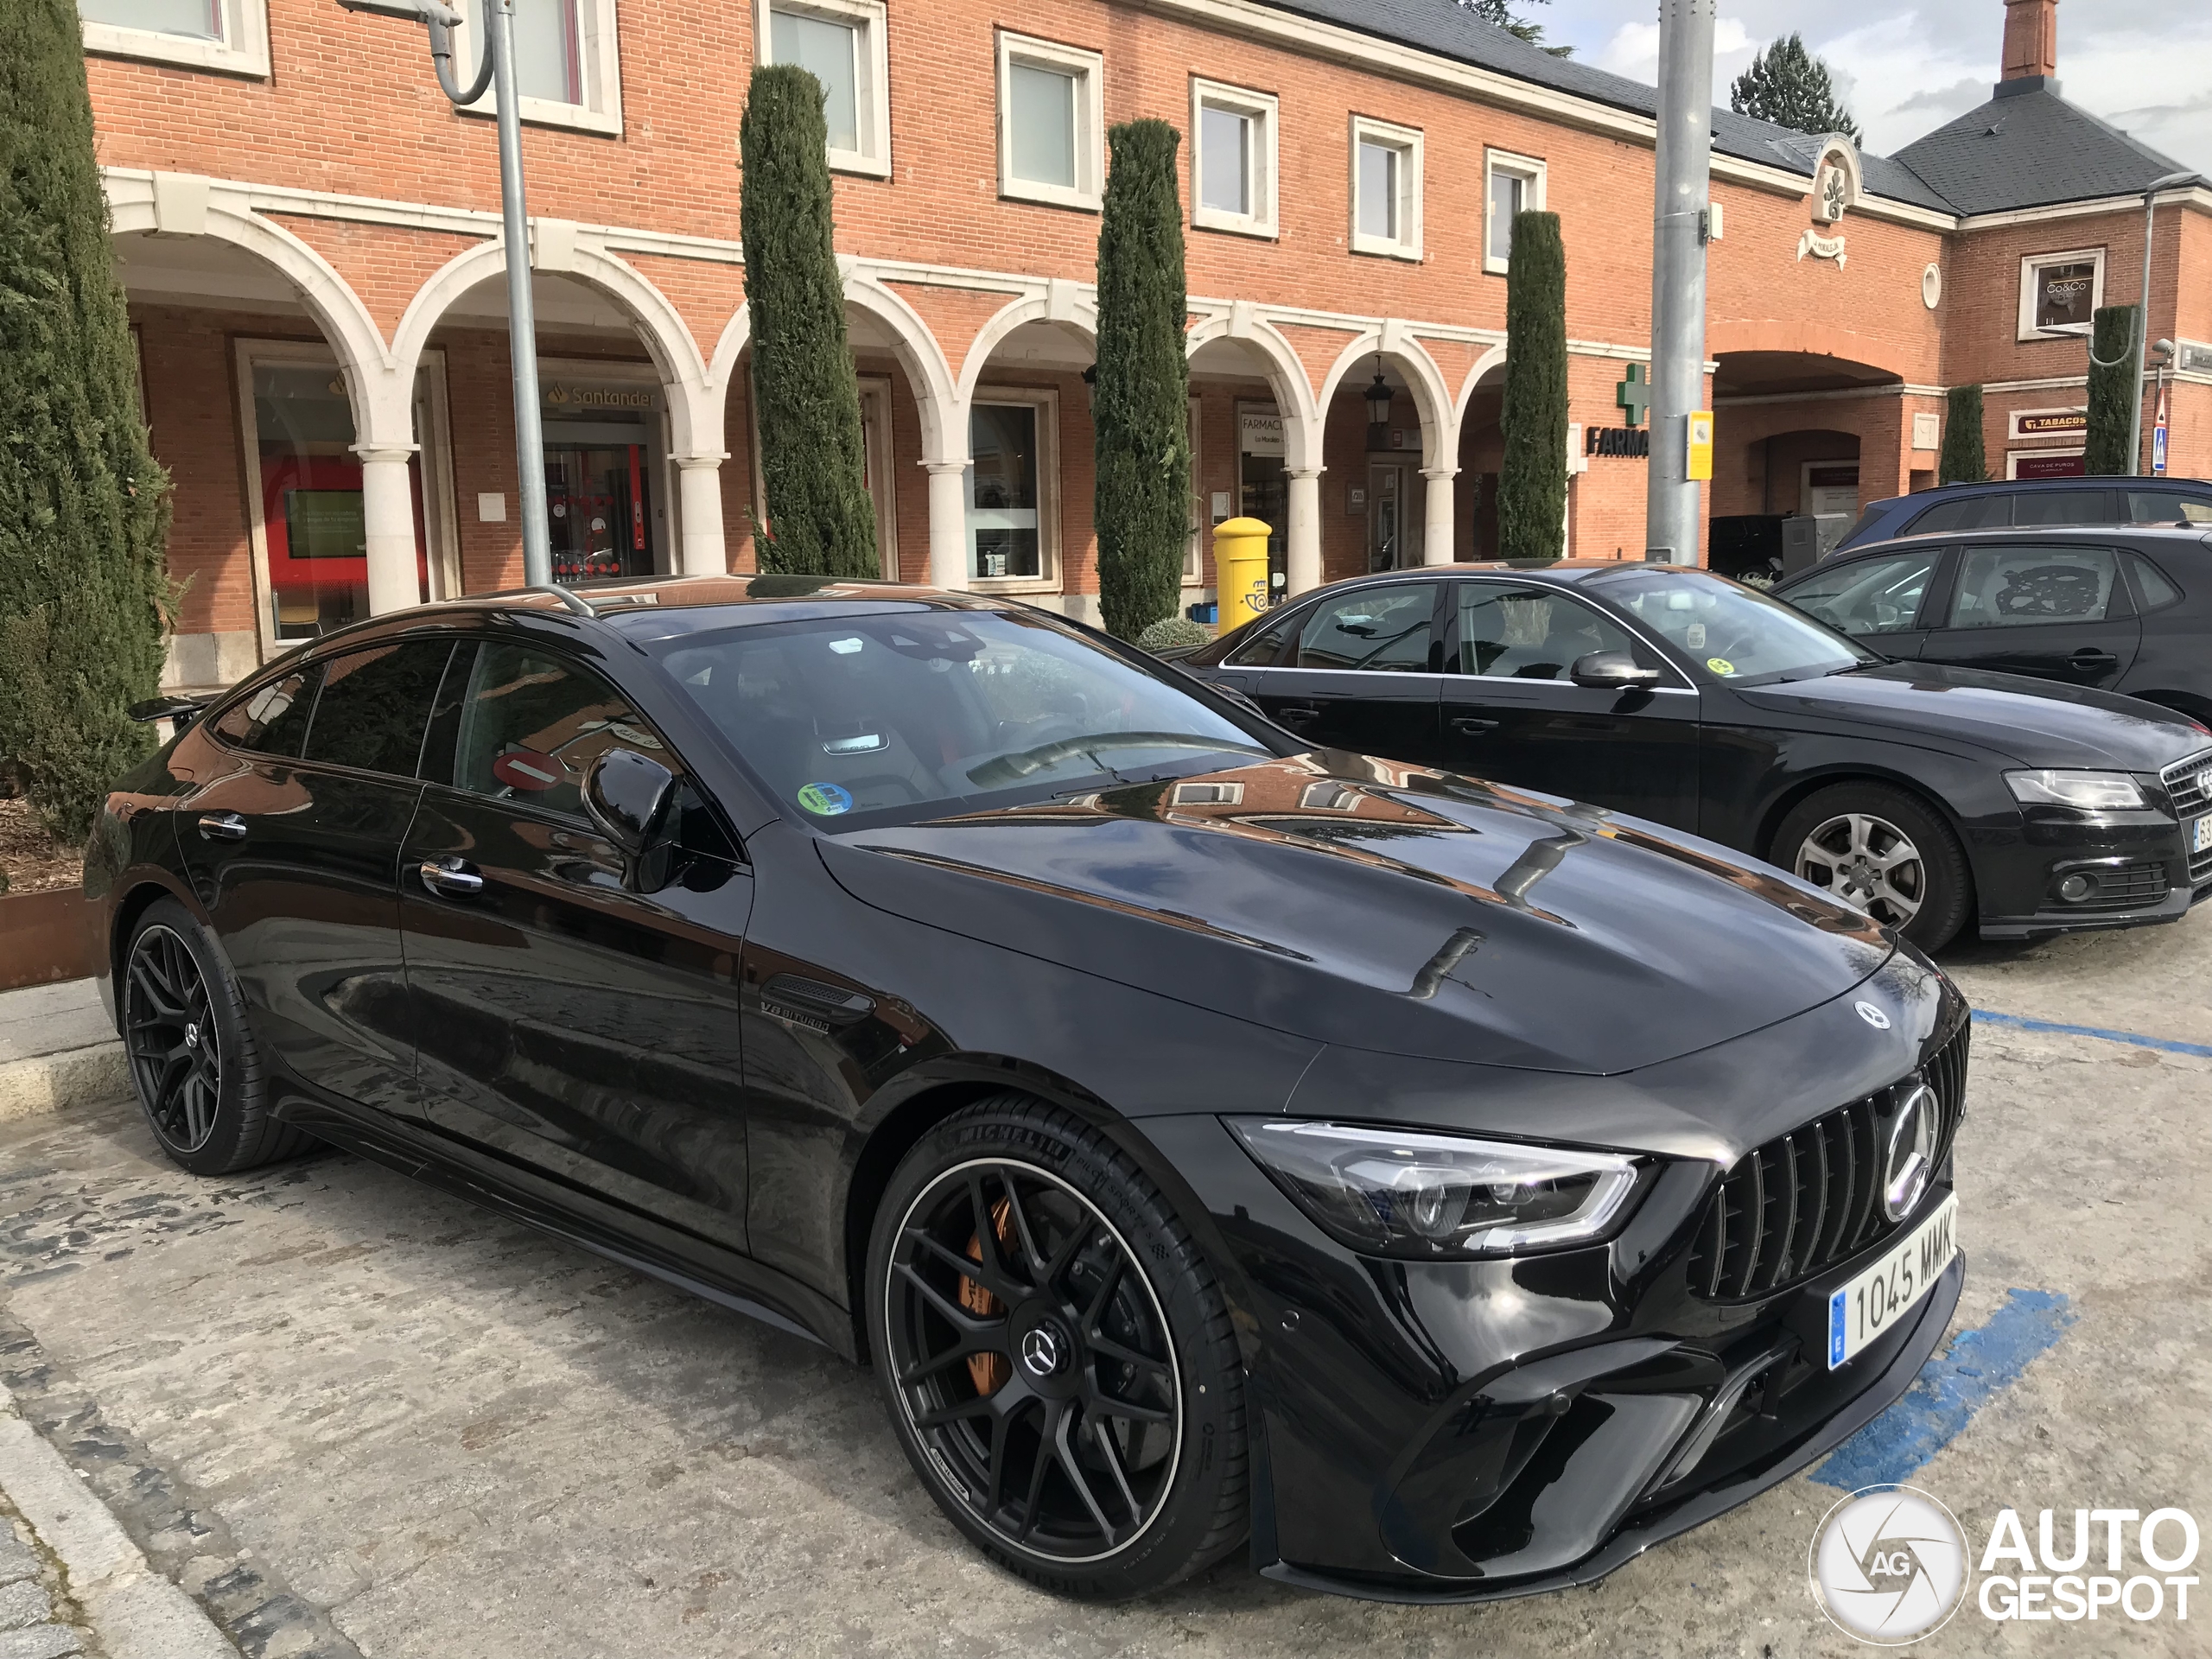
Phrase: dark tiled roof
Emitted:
{"points": [[2028, 147], [2045, 151]]}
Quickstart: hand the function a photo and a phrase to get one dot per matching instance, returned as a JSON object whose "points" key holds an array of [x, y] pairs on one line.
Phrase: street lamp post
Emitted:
{"points": [[1682, 170], [2143, 316], [498, 71]]}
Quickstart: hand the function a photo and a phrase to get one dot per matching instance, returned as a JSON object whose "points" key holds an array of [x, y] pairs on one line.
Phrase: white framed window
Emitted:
{"points": [[845, 44], [1511, 184], [229, 36], [2060, 292], [1232, 159], [1012, 489], [568, 71], [1385, 188], [1052, 132]]}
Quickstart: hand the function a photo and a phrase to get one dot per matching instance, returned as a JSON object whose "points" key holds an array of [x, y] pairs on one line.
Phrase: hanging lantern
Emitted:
{"points": [[1379, 398]]}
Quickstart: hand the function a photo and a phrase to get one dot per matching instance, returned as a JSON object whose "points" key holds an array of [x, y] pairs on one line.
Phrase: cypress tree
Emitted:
{"points": [[1532, 485], [820, 521], [2114, 383], [1961, 461], [83, 508], [1141, 413]]}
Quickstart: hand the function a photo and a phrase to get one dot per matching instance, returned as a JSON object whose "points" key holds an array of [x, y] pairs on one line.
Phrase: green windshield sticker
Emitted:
{"points": [[825, 800], [1720, 664]]}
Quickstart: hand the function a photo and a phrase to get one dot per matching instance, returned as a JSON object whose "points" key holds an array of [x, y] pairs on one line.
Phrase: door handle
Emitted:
{"points": [[1472, 725], [2090, 657], [1297, 715], [222, 826], [452, 878]]}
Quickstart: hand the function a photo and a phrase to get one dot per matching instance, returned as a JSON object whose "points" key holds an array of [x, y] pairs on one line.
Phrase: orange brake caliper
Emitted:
{"points": [[987, 1372]]}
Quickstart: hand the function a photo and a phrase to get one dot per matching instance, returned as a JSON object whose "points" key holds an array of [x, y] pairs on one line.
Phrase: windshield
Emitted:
{"points": [[898, 713], [1729, 632]]}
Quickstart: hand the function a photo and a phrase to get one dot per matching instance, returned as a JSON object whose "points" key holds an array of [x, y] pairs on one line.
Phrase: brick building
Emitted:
{"points": [[309, 237]]}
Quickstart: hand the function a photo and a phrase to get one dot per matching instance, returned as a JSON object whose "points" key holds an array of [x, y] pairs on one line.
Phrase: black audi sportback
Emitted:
{"points": [[1203, 1136], [1934, 797]]}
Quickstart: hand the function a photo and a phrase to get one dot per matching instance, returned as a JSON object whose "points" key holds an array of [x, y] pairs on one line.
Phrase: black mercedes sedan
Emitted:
{"points": [[1203, 1135], [1930, 796]]}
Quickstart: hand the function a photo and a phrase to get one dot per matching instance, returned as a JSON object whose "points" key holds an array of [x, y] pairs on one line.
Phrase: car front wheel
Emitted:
{"points": [[1056, 1355], [1884, 852]]}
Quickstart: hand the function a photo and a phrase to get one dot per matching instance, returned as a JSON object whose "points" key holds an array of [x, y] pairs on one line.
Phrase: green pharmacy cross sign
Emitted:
{"points": [[1634, 394]]}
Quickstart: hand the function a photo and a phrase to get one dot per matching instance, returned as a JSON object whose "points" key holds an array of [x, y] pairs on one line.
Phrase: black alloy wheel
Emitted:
{"points": [[1884, 852], [194, 1061], [1044, 1386]]}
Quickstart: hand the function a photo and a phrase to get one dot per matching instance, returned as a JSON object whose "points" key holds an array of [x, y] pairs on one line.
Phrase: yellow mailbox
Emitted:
{"points": [[1240, 570]]}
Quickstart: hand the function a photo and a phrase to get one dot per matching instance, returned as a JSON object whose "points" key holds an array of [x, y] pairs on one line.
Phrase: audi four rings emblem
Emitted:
{"points": [[1873, 1015]]}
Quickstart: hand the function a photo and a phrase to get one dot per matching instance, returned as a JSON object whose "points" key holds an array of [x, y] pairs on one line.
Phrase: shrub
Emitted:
{"points": [[2114, 385], [1171, 631], [1961, 461], [1532, 483]]}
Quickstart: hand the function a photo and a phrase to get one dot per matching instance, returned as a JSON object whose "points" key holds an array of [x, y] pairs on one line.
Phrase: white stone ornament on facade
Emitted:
{"points": [[1931, 285], [1822, 247]]}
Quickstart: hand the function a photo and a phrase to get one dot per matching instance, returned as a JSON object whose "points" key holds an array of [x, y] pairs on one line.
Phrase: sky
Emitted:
{"points": [[1906, 68]]}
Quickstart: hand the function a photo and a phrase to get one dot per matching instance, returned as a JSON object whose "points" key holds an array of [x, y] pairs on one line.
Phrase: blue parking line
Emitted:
{"points": [[1948, 1391], [2020, 1022]]}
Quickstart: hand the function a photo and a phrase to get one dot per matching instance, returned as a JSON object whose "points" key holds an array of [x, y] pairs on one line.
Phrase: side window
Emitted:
{"points": [[2167, 508], [2152, 587], [1385, 629], [2011, 586], [375, 705], [2064, 507], [531, 724], [1869, 596], [273, 719], [1262, 649], [1530, 633], [1968, 513]]}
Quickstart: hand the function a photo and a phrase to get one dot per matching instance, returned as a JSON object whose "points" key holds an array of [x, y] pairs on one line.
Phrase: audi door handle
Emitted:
{"points": [[1473, 725], [455, 878], [1298, 714], [222, 826], [2090, 657]]}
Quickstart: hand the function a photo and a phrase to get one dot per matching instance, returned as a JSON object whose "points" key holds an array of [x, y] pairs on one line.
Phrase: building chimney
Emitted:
{"points": [[2031, 39]]}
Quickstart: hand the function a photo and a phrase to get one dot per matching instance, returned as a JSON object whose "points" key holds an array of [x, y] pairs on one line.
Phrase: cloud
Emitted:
{"points": [[1954, 99], [1633, 51]]}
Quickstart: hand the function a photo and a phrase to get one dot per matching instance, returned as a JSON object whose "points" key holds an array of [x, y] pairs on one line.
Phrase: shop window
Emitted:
{"points": [[1262, 485], [230, 36], [1513, 184], [1052, 141], [567, 73], [1012, 490], [604, 470], [2060, 292], [842, 44], [1232, 159], [1385, 189]]}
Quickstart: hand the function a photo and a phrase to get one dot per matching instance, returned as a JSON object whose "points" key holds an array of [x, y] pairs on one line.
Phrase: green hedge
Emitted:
{"points": [[1961, 460], [1532, 484], [2114, 383]]}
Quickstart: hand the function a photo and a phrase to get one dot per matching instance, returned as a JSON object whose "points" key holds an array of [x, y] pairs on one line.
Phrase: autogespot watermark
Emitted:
{"points": [[1891, 1565]]}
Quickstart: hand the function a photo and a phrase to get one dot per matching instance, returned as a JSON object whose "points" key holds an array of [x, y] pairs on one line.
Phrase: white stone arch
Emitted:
{"points": [[1060, 302], [187, 205], [1492, 359], [1285, 376], [693, 424], [939, 401], [1432, 399]]}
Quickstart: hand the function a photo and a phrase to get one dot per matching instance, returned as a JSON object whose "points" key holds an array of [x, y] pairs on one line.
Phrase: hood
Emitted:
{"points": [[2035, 722], [1353, 901]]}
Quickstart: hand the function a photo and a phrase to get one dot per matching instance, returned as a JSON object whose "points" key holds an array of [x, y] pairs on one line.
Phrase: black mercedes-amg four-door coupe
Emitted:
{"points": [[1202, 1135]]}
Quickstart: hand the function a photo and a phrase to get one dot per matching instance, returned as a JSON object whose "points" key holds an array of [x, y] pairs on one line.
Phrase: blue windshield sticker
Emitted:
{"points": [[825, 800]]}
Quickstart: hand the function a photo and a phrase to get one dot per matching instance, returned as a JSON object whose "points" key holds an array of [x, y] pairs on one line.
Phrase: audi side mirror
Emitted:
{"points": [[1612, 670], [630, 797], [182, 711]]}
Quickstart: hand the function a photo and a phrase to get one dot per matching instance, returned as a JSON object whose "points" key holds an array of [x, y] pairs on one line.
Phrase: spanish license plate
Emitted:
{"points": [[1882, 1295], [2200, 834]]}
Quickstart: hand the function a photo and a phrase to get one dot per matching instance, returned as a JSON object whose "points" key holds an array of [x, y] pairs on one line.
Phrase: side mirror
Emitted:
{"points": [[182, 711], [629, 797], [1612, 670]]}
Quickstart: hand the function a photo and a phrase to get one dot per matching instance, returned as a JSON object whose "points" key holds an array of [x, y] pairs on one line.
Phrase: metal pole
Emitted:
{"points": [[1682, 193], [522, 314], [2142, 338]]}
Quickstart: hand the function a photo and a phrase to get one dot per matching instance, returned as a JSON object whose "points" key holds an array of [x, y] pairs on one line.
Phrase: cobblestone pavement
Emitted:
{"points": [[357, 1416], [37, 1620]]}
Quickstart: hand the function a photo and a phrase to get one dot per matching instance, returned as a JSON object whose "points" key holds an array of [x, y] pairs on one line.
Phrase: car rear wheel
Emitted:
{"points": [[193, 1062], [1056, 1355], [1884, 852]]}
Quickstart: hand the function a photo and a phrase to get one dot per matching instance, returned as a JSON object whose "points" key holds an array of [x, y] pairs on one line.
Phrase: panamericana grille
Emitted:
{"points": [[1810, 1198]]}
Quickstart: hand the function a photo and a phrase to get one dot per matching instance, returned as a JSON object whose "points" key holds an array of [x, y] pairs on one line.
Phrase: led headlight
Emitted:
{"points": [[2089, 792], [1412, 1194]]}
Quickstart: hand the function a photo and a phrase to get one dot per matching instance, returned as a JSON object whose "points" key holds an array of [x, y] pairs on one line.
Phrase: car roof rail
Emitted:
{"points": [[573, 600]]}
